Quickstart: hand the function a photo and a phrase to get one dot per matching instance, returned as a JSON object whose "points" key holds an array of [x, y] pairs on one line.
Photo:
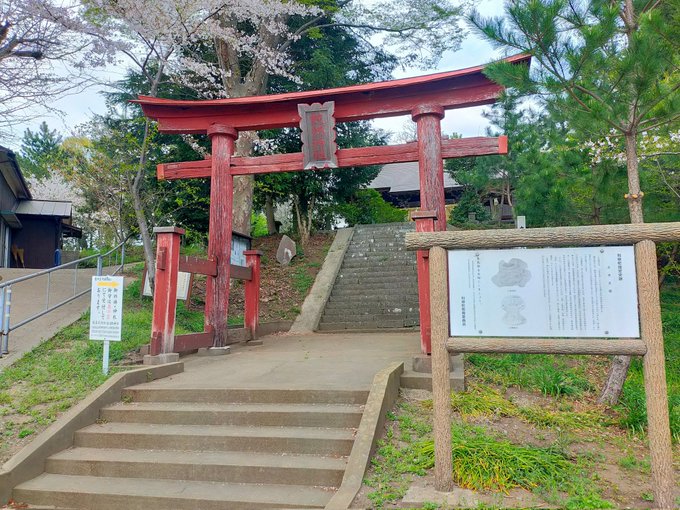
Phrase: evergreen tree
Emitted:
{"points": [[611, 65], [39, 151]]}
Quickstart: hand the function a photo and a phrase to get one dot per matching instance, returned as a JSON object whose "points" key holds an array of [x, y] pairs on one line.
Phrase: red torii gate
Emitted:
{"points": [[425, 98]]}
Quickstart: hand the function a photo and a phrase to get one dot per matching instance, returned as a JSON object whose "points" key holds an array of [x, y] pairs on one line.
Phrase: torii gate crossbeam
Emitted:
{"points": [[425, 98]]}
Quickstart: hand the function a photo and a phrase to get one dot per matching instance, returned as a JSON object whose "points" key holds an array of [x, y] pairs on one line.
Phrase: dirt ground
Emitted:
{"points": [[283, 288]]}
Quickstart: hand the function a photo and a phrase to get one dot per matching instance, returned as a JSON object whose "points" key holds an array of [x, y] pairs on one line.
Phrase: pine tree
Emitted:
{"points": [[610, 67]]}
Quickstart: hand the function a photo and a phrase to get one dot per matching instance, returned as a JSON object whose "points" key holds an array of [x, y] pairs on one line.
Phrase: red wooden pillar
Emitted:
{"points": [[424, 223], [165, 289], [252, 291], [431, 166], [219, 234]]}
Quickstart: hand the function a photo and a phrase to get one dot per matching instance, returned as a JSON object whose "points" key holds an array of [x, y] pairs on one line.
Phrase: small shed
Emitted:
{"points": [[30, 230]]}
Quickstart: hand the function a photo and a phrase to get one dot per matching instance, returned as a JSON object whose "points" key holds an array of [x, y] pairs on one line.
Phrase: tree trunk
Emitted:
{"points": [[269, 214], [611, 392]]}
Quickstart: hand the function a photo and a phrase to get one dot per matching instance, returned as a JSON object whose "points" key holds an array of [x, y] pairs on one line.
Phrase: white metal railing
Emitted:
{"points": [[6, 326]]}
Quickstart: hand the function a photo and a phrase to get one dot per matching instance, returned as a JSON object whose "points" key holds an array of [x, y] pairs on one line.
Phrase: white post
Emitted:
{"points": [[105, 358]]}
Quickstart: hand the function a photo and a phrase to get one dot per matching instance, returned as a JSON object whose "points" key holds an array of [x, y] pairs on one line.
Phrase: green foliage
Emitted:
{"points": [[258, 225], [367, 206], [469, 203], [40, 151]]}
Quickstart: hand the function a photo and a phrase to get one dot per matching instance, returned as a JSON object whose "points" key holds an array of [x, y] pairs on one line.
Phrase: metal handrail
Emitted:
{"points": [[6, 291]]}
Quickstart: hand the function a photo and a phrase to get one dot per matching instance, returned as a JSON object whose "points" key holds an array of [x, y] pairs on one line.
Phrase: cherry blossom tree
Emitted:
{"points": [[47, 50], [217, 48]]}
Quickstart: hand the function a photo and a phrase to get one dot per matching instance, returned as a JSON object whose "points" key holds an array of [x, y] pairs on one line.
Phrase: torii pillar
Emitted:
{"points": [[219, 232]]}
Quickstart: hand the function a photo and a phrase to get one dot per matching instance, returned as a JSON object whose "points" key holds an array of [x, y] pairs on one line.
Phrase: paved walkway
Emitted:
{"points": [[314, 361], [31, 297]]}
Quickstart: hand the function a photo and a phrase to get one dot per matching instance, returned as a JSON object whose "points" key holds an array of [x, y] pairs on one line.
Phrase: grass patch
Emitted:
{"points": [[482, 401], [481, 462], [567, 376], [302, 280], [549, 374]]}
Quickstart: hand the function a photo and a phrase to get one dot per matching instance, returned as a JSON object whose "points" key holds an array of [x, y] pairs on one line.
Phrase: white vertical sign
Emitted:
{"points": [[106, 312]]}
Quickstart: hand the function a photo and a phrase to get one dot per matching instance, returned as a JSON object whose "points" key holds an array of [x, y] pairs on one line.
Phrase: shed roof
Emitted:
{"points": [[44, 208], [401, 177]]}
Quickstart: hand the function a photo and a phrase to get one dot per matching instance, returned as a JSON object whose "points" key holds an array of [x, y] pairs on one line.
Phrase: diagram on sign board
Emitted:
{"points": [[511, 273], [544, 292]]}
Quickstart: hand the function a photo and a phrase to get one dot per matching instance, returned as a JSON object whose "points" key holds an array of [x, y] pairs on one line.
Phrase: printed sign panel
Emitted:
{"points": [[183, 285], [545, 292], [106, 308]]}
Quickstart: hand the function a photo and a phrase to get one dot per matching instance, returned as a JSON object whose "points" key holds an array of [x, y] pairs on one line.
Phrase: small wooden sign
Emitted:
{"points": [[318, 135], [184, 283]]}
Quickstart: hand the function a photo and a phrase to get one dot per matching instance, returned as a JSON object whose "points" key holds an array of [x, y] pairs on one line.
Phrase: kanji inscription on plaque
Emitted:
{"points": [[318, 135]]}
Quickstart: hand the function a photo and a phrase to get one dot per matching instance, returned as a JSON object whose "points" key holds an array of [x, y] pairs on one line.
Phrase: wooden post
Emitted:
{"points": [[441, 384], [252, 291], [219, 234], [656, 392], [165, 289], [430, 163], [424, 223]]}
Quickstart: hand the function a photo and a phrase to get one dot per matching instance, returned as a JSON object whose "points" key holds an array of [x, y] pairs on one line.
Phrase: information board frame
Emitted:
{"points": [[642, 237]]}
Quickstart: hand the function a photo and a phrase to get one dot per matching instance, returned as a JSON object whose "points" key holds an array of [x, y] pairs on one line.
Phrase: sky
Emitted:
{"points": [[79, 108]]}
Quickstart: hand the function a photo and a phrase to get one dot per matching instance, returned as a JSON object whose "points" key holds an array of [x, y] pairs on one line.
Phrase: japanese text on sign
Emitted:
{"points": [[106, 308], [547, 292], [318, 135]]}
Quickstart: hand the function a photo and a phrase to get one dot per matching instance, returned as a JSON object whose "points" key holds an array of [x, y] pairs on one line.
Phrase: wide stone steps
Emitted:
{"points": [[205, 448], [190, 413], [304, 440], [377, 285], [112, 493], [236, 467], [256, 395]]}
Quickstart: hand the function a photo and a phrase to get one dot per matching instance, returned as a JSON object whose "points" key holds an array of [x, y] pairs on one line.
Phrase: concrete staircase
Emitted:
{"points": [[205, 448], [377, 286]]}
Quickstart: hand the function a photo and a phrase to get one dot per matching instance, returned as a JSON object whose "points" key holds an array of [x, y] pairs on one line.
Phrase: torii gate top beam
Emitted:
{"points": [[453, 89]]}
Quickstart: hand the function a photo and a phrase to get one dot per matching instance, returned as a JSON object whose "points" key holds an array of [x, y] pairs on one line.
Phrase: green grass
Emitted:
{"points": [[481, 461], [61, 371], [549, 374]]}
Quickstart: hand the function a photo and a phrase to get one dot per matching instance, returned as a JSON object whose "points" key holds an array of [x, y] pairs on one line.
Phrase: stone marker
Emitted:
{"points": [[286, 251]]}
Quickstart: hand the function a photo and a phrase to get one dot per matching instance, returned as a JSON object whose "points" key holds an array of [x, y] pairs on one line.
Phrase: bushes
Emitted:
{"points": [[369, 207]]}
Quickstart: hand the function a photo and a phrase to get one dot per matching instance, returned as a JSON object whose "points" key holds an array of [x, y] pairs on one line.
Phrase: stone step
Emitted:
{"points": [[421, 381], [191, 413], [364, 325], [108, 493], [298, 440], [342, 292], [377, 282], [144, 393], [236, 467], [349, 313], [358, 307]]}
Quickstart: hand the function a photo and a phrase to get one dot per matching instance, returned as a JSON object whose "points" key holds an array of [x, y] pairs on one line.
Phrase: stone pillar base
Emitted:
{"points": [[161, 359], [214, 351]]}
